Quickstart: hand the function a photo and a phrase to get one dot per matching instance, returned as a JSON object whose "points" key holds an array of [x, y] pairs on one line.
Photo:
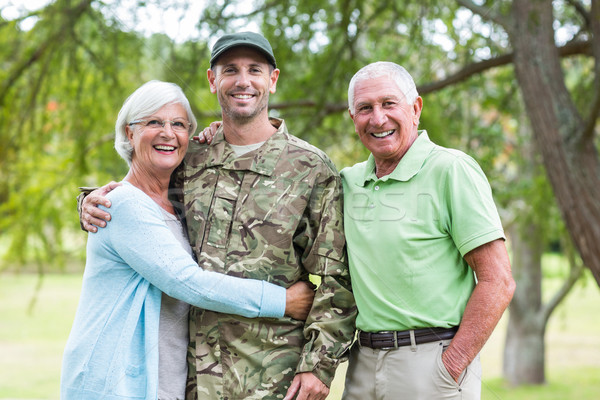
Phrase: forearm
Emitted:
{"points": [[331, 323], [482, 313], [139, 227], [485, 307], [330, 328]]}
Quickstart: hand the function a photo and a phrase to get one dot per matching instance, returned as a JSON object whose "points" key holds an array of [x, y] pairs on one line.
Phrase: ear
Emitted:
{"points": [[129, 133], [273, 78], [212, 76], [351, 117], [417, 107]]}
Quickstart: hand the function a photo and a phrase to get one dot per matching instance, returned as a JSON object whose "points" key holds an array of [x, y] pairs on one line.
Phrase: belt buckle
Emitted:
{"points": [[395, 336]]}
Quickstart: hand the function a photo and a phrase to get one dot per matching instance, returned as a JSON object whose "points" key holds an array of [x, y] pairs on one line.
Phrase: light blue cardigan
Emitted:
{"points": [[112, 351]]}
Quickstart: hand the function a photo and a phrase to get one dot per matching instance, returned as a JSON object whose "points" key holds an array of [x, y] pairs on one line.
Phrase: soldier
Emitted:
{"points": [[258, 193]]}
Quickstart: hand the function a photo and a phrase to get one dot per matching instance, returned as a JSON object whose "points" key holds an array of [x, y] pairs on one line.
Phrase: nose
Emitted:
{"points": [[167, 130], [243, 79], [378, 116]]}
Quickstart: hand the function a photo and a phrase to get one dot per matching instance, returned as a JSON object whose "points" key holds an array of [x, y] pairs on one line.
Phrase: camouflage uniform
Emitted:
{"points": [[274, 214]]}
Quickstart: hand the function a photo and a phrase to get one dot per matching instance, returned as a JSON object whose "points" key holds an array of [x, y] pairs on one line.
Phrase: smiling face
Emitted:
{"points": [[242, 79], [386, 124], [159, 150]]}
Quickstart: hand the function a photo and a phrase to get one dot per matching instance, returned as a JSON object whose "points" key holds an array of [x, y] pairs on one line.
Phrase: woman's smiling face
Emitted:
{"points": [[160, 148]]}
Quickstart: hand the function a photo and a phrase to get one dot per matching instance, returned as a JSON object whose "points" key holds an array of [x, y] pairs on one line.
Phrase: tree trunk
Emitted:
{"points": [[569, 154], [524, 356]]}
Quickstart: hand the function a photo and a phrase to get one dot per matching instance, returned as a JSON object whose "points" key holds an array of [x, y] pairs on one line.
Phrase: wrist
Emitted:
{"points": [[452, 364]]}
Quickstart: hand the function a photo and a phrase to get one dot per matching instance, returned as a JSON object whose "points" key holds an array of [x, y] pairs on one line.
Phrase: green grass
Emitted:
{"points": [[32, 340], [34, 325], [566, 383]]}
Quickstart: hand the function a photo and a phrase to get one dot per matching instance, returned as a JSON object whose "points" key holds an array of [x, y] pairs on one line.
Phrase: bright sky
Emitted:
{"points": [[150, 19]]}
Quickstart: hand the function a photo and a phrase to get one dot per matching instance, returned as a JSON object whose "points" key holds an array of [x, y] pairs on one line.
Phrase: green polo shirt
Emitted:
{"points": [[407, 233]]}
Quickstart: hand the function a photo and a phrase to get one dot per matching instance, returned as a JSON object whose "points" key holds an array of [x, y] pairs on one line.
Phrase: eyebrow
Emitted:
{"points": [[378, 100], [391, 97]]}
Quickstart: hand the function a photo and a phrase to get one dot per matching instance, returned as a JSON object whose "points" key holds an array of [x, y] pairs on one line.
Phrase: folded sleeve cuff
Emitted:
{"points": [[273, 301], [324, 369]]}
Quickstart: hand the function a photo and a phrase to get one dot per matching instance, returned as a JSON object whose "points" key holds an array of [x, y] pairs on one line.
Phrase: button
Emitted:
{"points": [[377, 187], [371, 205]]}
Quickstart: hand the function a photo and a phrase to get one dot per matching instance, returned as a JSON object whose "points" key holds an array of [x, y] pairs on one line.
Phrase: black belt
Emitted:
{"points": [[394, 339]]}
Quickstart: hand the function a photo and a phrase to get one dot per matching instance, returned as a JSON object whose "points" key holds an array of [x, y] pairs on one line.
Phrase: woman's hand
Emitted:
{"points": [[299, 299]]}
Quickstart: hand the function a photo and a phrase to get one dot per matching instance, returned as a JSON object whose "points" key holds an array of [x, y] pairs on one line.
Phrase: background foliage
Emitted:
{"points": [[64, 79]]}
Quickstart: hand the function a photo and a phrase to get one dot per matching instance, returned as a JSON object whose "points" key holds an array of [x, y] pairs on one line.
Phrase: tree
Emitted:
{"points": [[565, 134], [62, 84]]}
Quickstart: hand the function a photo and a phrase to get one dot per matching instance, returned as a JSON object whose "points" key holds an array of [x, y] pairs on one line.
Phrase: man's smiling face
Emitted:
{"points": [[386, 124], [242, 79]]}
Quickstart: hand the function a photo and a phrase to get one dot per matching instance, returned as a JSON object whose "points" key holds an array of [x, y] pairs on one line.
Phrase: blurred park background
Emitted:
{"points": [[515, 84]]}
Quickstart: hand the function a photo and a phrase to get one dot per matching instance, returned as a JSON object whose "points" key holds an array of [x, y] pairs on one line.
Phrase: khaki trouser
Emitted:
{"points": [[409, 372]]}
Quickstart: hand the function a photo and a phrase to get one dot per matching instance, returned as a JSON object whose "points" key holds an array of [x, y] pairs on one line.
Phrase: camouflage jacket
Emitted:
{"points": [[274, 214]]}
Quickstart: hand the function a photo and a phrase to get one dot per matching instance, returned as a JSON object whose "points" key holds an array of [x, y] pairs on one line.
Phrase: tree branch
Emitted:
{"points": [[484, 12], [572, 48], [233, 17], [466, 72], [580, 8], [4, 23], [20, 69], [52, 40], [576, 270]]}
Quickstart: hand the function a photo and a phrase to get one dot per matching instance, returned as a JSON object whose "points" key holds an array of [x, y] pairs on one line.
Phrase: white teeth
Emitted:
{"points": [[165, 148], [382, 134], [242, 96]]}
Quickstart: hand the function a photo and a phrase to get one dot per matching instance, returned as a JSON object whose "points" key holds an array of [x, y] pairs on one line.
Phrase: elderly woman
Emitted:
{"points": [[130, 334]]}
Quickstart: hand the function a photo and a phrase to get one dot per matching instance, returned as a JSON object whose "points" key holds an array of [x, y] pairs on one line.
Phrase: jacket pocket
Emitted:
{"points": [[220, 222]]}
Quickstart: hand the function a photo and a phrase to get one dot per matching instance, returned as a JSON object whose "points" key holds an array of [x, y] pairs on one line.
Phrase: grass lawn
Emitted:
{"points": [[32, 340]]}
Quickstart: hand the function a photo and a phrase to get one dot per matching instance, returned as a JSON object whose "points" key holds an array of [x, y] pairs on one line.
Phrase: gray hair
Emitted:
{"points": [[392, 70], [145, 101]]}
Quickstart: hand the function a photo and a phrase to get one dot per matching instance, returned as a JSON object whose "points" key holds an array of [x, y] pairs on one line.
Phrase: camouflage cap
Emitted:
{"points": [[249, 39]]}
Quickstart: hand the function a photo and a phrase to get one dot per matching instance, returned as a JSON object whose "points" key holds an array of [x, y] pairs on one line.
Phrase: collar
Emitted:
{"points": [[261, 161], [409, 165]]}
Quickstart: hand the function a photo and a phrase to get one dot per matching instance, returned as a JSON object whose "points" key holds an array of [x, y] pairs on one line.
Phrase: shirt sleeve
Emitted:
{"points": [[139, 236], [474, 219], [330, 324]]}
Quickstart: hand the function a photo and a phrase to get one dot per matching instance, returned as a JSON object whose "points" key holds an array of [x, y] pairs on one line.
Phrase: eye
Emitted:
{"points": [[180, 124], [154, 123]]}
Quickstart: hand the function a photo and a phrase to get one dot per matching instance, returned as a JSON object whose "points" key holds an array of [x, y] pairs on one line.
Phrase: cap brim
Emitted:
{"points": [[269, 57]]}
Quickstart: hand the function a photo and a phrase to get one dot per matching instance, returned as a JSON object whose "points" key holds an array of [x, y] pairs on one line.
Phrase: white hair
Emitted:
{"points": [[145, 101], [388, 69]]}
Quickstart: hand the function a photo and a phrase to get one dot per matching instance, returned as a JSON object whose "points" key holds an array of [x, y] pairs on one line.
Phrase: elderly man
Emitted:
{"points": [[260, 203], [429, 267]]}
